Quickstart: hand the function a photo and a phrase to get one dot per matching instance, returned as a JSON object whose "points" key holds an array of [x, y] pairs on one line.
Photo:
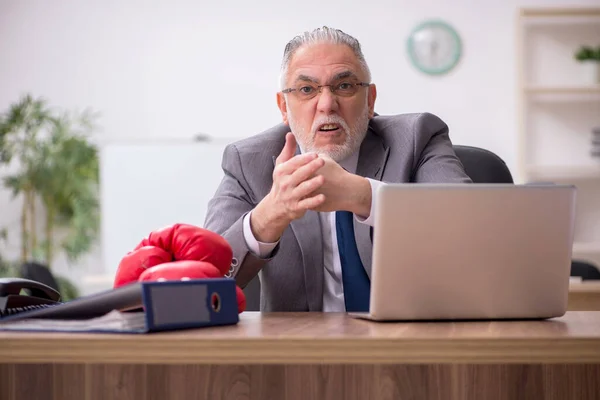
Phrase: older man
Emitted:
{"points": [[297, 201]]}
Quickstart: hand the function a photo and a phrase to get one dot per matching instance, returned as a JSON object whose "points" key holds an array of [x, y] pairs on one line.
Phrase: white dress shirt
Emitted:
{"points": [[333, 290]]}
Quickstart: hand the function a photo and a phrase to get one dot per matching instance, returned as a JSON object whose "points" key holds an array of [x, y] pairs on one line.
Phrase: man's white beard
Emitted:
{"points": [[353, 138]]}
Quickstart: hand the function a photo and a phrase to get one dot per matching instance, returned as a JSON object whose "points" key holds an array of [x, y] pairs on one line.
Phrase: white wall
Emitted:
{"points": [[169, 69], [168, 183]]}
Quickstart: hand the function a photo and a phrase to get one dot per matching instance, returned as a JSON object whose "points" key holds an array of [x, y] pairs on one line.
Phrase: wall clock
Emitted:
{"points": [[434, 47]]}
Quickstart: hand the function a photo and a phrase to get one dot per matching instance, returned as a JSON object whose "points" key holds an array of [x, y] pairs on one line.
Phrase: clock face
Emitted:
{"points": [[434, 47]]}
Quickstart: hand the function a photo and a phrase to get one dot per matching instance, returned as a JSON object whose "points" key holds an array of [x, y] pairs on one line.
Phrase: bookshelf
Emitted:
{"points": [[558, 106]]}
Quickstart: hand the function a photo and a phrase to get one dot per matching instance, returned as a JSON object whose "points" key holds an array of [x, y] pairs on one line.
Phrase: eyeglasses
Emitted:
{"points": [[306, 91]]}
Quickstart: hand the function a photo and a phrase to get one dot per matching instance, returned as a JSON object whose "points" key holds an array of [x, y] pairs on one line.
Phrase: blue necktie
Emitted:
{"points": [[357, 286]]}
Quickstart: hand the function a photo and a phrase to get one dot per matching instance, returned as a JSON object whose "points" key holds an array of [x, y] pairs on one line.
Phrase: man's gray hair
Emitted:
{"points": [[321, 35]]}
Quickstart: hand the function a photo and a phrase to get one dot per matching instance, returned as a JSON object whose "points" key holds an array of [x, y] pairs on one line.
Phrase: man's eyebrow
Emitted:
{"points": [[343, 75], [336, 77], [307, 78]]}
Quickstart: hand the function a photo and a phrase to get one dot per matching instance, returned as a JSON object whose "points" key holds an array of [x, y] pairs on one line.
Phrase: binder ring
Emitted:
{"points": [[215, 302]]}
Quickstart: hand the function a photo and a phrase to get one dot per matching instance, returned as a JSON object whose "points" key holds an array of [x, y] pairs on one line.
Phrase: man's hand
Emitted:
{"points": [[294, 182], [343, 190]]}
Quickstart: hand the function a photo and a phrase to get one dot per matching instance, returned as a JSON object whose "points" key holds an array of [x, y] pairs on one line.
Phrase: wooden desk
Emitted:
{"points": [[312, 356], [584, 296]]}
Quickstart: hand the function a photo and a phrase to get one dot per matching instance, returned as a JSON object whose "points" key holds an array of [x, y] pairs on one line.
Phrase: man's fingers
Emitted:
{"points": [[306, 171], [289, 149], [307, 187], [311, 202], [290, 166]]}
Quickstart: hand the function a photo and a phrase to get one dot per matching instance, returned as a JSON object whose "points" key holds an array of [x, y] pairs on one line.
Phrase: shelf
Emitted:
{"points": [[562, 173], [586, 248], [557, 99], [576, 16], [561, 90], [533, 12], [562, 94]]}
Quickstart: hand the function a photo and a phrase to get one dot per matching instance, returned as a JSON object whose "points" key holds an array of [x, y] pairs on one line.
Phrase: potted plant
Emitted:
{"points": [[589, 57], [53, 170]]}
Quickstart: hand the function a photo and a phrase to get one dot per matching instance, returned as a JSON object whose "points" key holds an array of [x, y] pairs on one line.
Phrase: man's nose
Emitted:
{"points": [[327, 102]]}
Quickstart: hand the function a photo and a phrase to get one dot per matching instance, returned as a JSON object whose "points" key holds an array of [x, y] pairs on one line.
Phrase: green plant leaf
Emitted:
{"points": [[8, 268], [587, 53], [68, 290]]}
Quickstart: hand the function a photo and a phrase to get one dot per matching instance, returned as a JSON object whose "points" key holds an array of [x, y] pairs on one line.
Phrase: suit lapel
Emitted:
{"points": [[371, 163]]}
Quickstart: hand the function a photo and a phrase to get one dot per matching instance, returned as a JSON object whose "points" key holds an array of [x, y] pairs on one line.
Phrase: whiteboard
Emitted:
{"points": [[152, 185]]}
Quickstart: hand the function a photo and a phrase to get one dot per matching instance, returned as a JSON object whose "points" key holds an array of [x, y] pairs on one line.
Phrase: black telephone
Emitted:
{"points": [[12, 301]]}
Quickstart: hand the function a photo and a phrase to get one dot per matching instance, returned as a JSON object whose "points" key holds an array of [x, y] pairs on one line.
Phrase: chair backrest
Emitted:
{"points": [[483, 166], [584, 269], [40, 273]]}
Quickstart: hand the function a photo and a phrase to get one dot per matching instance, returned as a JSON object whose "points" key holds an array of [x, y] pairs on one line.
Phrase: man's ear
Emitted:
{"points": [[371, 99], [281, 103]]}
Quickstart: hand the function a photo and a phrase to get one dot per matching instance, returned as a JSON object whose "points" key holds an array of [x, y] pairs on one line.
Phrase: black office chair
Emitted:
{"points": [[585, 270], [483, 166], [39, 273]]}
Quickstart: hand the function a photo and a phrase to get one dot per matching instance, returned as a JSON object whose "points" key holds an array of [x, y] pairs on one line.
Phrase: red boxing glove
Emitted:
{"points": [[178, 252]]}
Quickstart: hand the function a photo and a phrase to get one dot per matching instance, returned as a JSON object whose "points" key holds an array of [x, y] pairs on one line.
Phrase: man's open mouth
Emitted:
{"points": [[329, 128]]}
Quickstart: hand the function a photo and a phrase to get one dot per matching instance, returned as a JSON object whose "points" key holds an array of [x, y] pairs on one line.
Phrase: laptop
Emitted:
{"points": [[471, 252]]}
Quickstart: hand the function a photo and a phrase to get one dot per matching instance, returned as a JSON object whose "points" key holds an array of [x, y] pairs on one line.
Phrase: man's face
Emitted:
{"points": [[327, 123]]}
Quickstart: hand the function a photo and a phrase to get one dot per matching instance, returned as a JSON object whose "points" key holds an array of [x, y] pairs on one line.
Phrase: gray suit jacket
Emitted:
{"points": [[396, 149]]}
